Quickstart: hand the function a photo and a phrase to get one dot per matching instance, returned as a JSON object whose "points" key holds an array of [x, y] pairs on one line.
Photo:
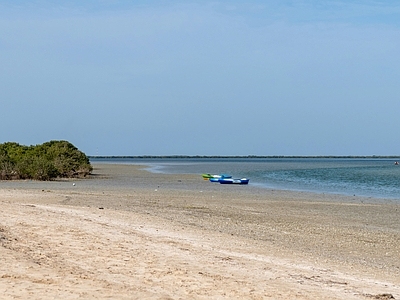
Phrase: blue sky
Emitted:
{"points": [[202, 77]]}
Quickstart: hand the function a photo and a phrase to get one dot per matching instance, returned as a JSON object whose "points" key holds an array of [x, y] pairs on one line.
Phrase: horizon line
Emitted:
{"points": [[243, 156]]}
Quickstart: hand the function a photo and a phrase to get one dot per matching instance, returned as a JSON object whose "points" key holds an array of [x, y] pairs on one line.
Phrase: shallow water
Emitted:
{"points": [[377, 178]]}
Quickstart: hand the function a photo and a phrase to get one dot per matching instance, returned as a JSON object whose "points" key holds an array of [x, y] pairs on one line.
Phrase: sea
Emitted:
{"points": [[367, 177]]}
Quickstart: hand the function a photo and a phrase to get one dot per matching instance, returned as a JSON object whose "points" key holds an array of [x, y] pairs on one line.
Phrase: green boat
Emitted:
{"points": [[208, 176]]}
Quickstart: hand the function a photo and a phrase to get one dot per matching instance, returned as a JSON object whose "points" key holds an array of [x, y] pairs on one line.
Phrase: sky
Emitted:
{"points": [[252, 77]]}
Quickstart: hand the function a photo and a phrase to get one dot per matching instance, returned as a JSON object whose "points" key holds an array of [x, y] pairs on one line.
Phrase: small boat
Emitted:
{"points": [[207, 176], [215, 179], [234, 181]]}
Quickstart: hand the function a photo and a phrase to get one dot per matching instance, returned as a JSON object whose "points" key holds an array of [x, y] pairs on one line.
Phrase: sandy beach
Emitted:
{"points": [[127, 233]]}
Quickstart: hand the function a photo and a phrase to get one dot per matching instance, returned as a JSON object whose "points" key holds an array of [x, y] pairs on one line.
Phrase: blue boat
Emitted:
{"points": [[219, 177], [234, 181]]}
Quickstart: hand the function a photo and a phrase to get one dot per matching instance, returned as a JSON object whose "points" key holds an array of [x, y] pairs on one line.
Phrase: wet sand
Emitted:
{"points": [[130, 234]]}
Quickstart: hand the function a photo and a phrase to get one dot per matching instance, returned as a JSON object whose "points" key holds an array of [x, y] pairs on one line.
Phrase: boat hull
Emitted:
{"points": [[234, 181]]}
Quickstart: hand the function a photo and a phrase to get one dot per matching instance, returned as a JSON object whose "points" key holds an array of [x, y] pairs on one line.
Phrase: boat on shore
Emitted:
{"points": [[234, 181], [208, 176]]}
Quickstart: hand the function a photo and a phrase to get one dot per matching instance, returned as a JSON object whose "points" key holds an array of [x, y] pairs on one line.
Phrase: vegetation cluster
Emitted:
{"points": [[54, 159]]}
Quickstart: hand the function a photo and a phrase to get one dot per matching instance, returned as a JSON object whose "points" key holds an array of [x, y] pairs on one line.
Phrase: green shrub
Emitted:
{"points": [[42, 162]]}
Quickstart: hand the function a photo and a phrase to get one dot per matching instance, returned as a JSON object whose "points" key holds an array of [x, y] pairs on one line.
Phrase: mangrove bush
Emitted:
{"points": [[54, 159]]}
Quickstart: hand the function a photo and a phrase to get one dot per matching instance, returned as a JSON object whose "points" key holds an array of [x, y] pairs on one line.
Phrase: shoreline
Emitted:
{"points": [[158, 167], [216, 241]]}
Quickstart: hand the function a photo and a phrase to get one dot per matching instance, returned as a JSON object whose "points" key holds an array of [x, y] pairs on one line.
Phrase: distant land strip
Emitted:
{"points": [[245, 156]]}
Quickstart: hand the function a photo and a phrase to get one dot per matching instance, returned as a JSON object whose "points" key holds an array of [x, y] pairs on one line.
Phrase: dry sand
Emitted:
{"points": [[131, 234]]}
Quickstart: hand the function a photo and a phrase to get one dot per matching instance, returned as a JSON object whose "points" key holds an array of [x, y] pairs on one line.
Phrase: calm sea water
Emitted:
{"points": [[377, 178]]}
